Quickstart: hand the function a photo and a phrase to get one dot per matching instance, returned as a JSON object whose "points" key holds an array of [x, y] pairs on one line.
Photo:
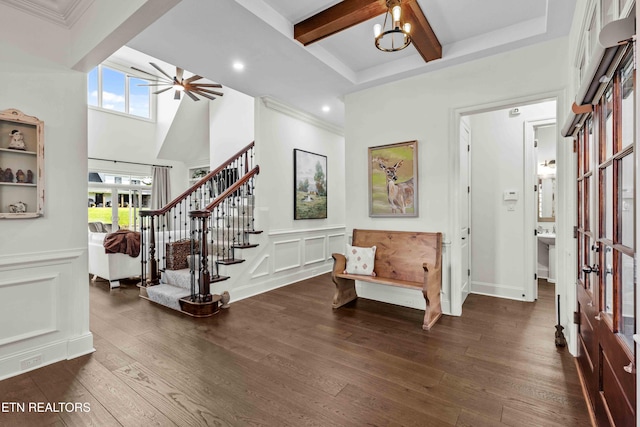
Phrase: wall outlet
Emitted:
{"points": [[31, 362]]}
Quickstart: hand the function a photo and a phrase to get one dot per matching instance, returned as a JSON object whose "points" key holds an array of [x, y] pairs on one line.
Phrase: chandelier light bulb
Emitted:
{"points": [[377, 30], [407, 27], [396, 12]]}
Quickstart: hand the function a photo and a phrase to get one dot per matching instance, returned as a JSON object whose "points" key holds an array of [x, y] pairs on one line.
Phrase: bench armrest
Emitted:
{"points": [[339, 263]]}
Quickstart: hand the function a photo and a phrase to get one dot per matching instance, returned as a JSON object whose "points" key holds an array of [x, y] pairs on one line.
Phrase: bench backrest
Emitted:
{"points": [[400, 254]]}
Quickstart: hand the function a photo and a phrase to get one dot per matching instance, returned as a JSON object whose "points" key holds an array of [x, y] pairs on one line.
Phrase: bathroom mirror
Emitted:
{"points": [[546, 199]]}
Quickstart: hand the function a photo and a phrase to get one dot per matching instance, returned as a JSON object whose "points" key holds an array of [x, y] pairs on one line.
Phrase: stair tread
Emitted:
{"points": [[229, 261], [254, 232], [218, 279], [167, 295], [245, 246]]}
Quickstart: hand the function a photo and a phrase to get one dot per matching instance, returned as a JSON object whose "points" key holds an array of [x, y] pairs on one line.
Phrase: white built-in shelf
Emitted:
{"points": [[19, 184], [8, 150], [14, 195]]}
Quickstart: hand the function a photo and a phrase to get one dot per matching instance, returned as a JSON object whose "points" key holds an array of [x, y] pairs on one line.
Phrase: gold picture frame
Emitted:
{"points": [[393, 180]]}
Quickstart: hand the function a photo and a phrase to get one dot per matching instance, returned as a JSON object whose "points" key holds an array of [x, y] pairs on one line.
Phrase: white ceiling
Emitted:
{"points": [[206, 37]]}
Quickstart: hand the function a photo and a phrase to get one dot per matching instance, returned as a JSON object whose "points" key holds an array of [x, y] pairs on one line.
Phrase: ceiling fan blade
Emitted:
{"points": [[177, 94], [206, 95], [162, 90], [207, 91], [193, 78], [208, 85], [158, 84], [179, 73], [192, 96], [143, 71], [160, 69]]}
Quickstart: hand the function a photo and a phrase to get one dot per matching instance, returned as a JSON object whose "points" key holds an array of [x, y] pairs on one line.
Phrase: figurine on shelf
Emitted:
{"points": [[8, 175], [29, 176], [17, 140], [1, 175], [19, 207], [20, 176]]}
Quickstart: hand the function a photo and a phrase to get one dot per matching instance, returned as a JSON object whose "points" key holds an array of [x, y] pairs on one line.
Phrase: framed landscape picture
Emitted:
{"points": [[393, 180], [310, 185]]}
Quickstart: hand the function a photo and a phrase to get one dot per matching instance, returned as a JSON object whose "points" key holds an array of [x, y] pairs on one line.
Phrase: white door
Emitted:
{"points": [[465, 207]]}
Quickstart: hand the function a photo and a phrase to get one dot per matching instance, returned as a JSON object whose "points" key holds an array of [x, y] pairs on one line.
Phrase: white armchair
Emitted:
{"points": [[111, 267]]}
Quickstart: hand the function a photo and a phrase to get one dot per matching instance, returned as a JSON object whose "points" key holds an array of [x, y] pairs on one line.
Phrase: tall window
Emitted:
{"points": [[117, 198], [114, 90]]}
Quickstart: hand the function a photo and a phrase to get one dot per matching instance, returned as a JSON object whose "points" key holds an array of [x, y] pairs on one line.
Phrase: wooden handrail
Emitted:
{"points": [[233, 188], [198, 184]]}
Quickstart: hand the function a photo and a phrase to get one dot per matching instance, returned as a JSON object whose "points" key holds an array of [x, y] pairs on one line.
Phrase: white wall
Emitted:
{"points": [[232, 124], [289, 250], [117, 137], [277, 135], [499, 256], [425, 108], [44, 299]]}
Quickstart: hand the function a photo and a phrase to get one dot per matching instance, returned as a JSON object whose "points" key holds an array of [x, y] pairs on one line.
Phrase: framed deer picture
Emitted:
{"points": [[393, 180], [310, 180]]}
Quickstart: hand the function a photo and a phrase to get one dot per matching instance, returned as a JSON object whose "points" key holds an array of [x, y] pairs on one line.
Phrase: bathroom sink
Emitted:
{"points": [[547, 238]]}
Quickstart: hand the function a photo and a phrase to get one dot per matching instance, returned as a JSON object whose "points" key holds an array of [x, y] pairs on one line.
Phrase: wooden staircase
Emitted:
{"points": [[213, 220]]}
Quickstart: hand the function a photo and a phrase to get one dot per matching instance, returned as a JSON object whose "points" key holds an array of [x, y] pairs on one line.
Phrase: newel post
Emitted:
{"points": [[204, 277], [153, 277]]}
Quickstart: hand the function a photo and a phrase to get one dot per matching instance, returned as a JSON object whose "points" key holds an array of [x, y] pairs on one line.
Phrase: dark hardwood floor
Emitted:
{"points": [[286, 358]]}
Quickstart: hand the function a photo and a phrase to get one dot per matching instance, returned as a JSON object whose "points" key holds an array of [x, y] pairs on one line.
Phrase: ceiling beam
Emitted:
{"points": [[338, 17], [422, 36], [352, 12]]}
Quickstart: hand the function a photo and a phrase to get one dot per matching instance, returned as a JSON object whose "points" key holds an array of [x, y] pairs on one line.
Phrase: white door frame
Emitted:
{"points": [[465, 238], [530, 198], [563, 228]]}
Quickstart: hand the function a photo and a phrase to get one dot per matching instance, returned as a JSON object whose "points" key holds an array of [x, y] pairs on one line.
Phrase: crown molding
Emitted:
{"points": [[65, 14], [297, 114]]}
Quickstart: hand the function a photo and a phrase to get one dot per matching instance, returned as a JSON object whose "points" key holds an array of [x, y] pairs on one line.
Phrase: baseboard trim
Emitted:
{"points": [[80, 346], [585, 393], [10, 366]]}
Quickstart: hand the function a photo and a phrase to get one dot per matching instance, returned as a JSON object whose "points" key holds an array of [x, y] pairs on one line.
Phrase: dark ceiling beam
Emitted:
{"points": [[352, 12], [337, 18], [422, 36]]}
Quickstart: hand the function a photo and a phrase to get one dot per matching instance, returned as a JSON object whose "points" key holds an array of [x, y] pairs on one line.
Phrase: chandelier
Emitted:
{"points": [[397, 36]]}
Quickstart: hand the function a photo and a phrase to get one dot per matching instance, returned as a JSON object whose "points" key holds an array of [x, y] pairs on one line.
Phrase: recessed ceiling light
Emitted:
{"points": [[238, 66], [326, 108]]}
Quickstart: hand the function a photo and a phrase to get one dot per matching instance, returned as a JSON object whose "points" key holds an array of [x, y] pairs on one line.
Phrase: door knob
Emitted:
{"points": [[593, 269]]}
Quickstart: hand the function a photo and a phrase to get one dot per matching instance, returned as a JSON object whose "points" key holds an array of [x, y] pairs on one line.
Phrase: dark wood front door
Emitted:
{"points": [[606, 250]]}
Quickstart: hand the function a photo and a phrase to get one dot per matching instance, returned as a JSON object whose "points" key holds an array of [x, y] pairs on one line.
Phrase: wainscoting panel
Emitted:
{"points": [[337, 244], [286, 255], [261, 268], [44, 309], [29, 317], [314, 250], [282, 257]]}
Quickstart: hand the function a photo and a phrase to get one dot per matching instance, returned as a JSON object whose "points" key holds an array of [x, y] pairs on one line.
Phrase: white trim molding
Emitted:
{"points": [[297, 114], [65, 14], [44, 309]]}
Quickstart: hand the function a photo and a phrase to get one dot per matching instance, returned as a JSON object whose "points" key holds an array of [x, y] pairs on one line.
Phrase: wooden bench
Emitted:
{"points": [[405, 259]]}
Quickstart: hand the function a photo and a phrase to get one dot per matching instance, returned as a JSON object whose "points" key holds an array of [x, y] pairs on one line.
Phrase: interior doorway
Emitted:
{"points": [[545, 138], [503, 198]]}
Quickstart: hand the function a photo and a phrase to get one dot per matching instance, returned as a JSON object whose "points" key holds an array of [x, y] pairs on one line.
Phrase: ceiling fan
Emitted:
{"points": [[181, 84]]}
